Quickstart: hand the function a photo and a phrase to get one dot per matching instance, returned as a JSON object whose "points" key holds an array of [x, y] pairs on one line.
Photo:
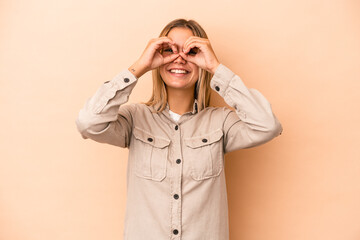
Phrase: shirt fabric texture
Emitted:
{"points": [[176, 185]]}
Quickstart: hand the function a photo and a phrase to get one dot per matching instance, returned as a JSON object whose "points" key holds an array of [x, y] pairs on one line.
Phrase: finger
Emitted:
{"points": [[170, 58], [192, 40], [163, 46], [161, 42], [183, 55], [174, 48], [192, 59], [169, 45], [193, 45], [186, 57]]}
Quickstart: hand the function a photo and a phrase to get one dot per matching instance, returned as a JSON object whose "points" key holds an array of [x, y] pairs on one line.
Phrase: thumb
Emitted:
{"points": [[187, 57], [170, 58]]}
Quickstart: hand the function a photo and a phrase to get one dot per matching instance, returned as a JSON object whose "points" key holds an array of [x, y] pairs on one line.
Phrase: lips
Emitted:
{"points": [[178, 74], [187, 71]]}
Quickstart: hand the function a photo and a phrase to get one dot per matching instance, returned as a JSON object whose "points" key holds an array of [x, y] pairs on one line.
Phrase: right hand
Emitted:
{"points": [[152, 58]]}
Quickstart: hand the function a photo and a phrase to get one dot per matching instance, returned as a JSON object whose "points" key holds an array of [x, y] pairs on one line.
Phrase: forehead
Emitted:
{"points": [[179, 35]]}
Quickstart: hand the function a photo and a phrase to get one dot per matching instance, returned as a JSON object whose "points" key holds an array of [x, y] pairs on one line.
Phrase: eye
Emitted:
{"points": [[168, 50], [193, 51]]}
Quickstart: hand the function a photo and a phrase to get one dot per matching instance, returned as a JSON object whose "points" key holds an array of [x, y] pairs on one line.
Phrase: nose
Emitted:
{"points": [[179, 59]]}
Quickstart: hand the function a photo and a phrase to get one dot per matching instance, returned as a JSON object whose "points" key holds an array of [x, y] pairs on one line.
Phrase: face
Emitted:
{"points": [[179, 80]]}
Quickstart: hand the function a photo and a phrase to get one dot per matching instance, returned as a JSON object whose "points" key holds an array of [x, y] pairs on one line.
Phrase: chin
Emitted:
{"points": [[178, 82]]}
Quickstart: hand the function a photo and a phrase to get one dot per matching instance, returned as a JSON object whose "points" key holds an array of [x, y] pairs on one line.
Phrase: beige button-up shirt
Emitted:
{"points": [[175, 177]]}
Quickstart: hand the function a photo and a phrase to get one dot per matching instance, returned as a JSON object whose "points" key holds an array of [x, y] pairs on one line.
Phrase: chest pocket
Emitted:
{"points": [[205, 155], [150, 155]]}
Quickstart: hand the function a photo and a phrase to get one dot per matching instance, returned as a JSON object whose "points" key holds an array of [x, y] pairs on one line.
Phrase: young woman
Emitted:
{"points": [[175, 178]]}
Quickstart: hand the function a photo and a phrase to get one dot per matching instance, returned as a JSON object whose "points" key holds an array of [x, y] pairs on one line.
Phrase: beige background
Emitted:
{"points": [[304, 56]]}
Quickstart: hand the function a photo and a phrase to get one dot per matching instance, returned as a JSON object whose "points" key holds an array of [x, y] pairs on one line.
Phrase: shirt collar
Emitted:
{"points": [[194, 109]]}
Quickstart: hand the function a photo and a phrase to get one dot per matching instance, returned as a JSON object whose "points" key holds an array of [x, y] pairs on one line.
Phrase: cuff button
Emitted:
{"points": [[217, 88], [126, 80]]}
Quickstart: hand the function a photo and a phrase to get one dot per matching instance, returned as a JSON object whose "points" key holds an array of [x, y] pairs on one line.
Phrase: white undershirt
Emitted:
{"points": [[174, 116]]}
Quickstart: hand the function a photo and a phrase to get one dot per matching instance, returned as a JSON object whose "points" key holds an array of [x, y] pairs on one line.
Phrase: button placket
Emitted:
{"points": [[176, 181]]}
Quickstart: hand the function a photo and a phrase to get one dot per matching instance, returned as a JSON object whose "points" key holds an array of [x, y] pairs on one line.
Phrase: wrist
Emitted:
{"points": [[213, 70], [137, 70]]}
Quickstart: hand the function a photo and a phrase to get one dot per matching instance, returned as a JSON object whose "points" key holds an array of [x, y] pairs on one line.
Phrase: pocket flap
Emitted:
{"points": [[204, 140], [148, 138]]}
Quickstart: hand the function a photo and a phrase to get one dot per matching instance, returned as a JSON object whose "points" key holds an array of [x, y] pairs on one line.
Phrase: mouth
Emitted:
{"points": [[177, 73]]}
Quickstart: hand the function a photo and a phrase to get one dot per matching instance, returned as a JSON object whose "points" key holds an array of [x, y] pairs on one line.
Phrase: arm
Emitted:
{"points": [[102, 119], [253, 122]]}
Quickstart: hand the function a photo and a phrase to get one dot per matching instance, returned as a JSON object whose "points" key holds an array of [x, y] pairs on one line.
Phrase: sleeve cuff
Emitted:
{"points": [[221, 79], [121, 81]]}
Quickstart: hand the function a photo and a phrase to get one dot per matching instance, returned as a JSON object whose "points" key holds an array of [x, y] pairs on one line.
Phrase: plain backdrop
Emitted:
{"points": [[303, 56]]}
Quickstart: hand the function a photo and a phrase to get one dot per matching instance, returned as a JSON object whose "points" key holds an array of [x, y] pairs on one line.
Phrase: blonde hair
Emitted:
{"points": [[202, 86]]}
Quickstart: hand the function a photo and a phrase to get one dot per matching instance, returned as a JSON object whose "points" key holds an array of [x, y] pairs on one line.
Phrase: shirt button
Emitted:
{"points": [[178, 161], [204, 140], [175, 231], [126, 80], [217, 88], [150, 139], [176, 127], [176, 196]]}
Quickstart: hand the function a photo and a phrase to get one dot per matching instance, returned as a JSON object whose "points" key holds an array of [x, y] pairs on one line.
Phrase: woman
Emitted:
{"points": [[175, 178]]}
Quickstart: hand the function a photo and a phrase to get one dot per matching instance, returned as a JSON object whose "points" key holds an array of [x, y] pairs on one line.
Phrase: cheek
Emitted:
{"points": [[162, 72], [196, 74]]}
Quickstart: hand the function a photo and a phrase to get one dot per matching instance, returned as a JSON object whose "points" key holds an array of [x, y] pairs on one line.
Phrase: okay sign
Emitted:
{"points": [[199, 51]]}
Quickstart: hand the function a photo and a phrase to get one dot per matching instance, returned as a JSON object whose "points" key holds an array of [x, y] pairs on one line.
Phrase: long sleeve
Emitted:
{"points": [[102, 119], [253, 122]]}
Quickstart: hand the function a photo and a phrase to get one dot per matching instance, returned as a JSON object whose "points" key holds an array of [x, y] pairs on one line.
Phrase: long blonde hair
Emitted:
{"points": [[202, 86]]}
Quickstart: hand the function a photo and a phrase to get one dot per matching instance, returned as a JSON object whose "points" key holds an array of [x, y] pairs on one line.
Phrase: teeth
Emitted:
{"points": [[177, 71]]}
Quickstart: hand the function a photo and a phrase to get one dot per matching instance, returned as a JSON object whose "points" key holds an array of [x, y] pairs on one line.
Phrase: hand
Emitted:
{"points": [[152, 58], [199, 51]]}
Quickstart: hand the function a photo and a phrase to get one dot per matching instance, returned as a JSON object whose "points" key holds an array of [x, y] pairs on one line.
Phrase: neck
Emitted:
{"points": [[180, 101]]}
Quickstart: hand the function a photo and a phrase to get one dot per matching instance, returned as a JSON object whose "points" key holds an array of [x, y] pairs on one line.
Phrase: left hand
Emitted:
{"points": [[199, 51]]}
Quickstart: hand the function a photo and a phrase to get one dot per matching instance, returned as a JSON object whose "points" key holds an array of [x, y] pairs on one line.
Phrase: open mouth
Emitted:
{"points": [[178, 73]]}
